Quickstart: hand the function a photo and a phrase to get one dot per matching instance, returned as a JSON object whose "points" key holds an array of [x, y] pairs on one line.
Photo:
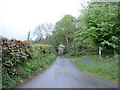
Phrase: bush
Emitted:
{"points": [[21, 60], [14, 52], [76, 51]]}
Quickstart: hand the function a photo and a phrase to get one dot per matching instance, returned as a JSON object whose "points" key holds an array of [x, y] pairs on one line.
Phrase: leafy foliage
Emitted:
{"points": [[21, 60], [64, 31], [14, 52], [99, 26]]}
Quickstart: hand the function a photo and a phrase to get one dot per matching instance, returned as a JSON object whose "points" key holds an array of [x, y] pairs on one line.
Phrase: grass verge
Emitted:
{"points": [[105, 68]]}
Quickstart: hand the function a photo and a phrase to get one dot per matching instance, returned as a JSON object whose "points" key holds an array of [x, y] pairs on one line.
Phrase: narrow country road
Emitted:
{"points": [[63, 74]]}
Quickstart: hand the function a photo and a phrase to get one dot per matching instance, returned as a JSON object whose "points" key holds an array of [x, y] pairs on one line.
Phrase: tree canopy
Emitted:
{"points": [[64, 30], [97, 26]]}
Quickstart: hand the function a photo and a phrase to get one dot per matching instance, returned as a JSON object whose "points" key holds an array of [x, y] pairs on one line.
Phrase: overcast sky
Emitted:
{"points": [[17, 17]]}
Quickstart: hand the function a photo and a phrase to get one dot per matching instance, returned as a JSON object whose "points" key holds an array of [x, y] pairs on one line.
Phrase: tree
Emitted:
{"points": [[43, 31], [63, 32], [28, 38], [99, 24], [65, 28]]}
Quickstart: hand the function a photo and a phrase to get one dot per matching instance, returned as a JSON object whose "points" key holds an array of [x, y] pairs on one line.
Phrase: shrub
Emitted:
{"points": [[14, 52], [77, 51], [21, 60]]}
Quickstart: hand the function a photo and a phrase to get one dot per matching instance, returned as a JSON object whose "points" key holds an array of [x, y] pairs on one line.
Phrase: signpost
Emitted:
{"points": [[100, 49]]}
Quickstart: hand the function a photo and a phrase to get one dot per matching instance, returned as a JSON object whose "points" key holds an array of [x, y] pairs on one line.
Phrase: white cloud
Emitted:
{"points": [[19, 16]]}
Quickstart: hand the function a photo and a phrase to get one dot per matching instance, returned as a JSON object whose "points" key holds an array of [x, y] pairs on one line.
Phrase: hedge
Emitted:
{"points": [[22, 60], [14, 52]]}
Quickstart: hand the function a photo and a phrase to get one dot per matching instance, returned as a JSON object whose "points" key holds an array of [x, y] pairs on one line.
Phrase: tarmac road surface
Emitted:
{"points": [[63, 74]]}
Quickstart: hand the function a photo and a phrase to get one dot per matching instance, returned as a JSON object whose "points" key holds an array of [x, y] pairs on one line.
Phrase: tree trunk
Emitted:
{"points": [[67, 41]]}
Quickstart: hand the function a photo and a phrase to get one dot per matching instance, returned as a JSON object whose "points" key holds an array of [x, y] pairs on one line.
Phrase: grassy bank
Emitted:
{"points": [[105, 68], [42, 57]]}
